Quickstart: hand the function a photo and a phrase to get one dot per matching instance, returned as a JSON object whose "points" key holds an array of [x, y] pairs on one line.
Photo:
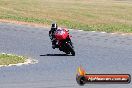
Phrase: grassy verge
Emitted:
{"points": [[88, 15], [6, 59]]}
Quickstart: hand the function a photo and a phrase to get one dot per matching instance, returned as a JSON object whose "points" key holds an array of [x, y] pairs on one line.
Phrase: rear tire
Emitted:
{"points": [[71, 49], [73, 53]]}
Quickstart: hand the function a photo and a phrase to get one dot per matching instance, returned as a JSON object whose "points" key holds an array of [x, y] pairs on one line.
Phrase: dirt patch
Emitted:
{"points": [[24, 23]]}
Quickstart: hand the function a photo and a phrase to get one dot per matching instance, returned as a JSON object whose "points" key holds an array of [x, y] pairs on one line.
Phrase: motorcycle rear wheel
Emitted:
{"points": [[71, 49]]}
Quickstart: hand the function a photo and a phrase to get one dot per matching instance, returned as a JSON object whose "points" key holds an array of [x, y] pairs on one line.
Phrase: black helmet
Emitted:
{"points": [[54, 26]]}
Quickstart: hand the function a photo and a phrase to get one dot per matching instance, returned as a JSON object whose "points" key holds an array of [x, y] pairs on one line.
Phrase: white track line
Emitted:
{"points": [[103, 32], [80, 30], [93, 31]]}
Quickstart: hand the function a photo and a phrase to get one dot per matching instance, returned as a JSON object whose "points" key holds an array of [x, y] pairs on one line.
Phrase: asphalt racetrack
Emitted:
{"points": [[96, 52]]}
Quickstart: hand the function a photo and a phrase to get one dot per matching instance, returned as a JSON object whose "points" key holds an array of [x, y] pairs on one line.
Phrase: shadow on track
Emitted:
{"points": [[55, 55]]}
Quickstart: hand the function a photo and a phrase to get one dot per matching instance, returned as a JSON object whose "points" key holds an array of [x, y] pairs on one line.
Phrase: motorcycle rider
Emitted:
{"points": [[54, 27]]}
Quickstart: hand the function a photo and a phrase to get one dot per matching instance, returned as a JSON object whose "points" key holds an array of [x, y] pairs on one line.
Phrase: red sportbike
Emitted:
{"points": [[64, 42]]}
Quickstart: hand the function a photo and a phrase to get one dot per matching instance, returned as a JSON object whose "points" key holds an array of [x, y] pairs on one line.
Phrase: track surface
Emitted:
{"points": [[96, 52]]}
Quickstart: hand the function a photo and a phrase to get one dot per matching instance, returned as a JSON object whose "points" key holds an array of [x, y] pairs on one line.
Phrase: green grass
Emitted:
{"points": [[6, 59], [89, 15]]}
